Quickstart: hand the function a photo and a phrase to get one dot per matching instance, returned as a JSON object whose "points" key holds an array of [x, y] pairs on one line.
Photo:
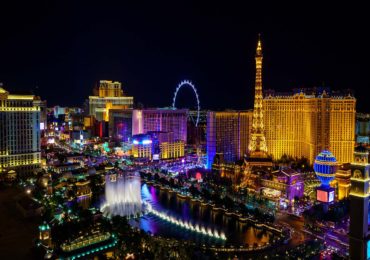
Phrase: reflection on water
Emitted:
{"points": [[84, 201]]}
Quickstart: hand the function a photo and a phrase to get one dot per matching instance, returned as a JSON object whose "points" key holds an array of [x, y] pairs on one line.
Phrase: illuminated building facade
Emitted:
{"points": [[342, 181], [156, 145], [142, 146], [76, 121], [286, 180], [63, 119], [120, 124], [162, 120], [62, 168], [172, 150], [165, 146], [108, 88], [19, 132], [109, 96], [57, 110], [308, 121], [45, 234], [363, 128], [228, 133], [89, 122], [43, 113], [88, 246], [83, 188], [79, 137], [359, 200], [197, 133]]}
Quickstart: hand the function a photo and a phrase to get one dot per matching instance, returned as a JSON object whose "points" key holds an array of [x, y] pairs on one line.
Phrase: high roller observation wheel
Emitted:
{"points": [[190, 84]]}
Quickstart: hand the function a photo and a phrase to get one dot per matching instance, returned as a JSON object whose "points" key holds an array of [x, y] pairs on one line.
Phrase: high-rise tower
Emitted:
{"points": [[109, 96], [306, 121], [19, 133], [257, 144]]}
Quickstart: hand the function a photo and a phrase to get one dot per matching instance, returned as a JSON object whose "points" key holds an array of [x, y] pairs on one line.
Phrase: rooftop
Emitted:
{"points": [[2, 90], [316, 92]]}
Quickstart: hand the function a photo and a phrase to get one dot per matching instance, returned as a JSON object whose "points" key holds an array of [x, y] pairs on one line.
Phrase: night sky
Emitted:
{"points": [[60, 49]]}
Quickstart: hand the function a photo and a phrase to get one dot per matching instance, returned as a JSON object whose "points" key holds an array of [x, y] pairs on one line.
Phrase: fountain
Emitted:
{"points": [[186, 225], [122, 195], [125, 196]]}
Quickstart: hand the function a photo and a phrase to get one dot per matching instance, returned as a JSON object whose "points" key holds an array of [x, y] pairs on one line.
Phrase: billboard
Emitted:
{"points": [[322, 195], [325, 195]]}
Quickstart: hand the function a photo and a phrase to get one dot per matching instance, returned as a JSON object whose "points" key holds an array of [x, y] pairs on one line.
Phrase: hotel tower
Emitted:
{"points": [[19, 132], [303, 123], [109, 96]]}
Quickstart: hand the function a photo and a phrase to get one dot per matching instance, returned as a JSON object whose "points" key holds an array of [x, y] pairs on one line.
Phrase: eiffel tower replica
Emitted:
{"points": [[258, 159]]}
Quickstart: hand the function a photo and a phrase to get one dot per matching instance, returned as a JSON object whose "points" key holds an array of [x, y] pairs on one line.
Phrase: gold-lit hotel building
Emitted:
{"points": [[19, 132], [109, 95], [311, 120]]}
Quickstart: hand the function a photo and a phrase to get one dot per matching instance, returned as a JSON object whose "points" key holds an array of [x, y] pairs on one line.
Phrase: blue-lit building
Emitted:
{"points": [[227, 136]]}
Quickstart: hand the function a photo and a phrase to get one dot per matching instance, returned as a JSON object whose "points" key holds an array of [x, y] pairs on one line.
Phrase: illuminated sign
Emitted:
{"points": [[155, 156], [145, 141], [331, 196], [325, 195], [42, 126], [322, 196]]}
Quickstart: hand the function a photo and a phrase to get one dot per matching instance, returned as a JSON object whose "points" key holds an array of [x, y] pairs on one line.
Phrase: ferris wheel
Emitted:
{"points": [[189, 84]]}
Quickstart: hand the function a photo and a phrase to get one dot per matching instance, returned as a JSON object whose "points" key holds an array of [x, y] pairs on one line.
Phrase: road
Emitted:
{"points": [[296, 227]]}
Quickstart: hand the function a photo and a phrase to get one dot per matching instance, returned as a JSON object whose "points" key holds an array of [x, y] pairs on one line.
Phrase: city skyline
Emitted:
{"points": [[150, 48], [180, 130]]}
